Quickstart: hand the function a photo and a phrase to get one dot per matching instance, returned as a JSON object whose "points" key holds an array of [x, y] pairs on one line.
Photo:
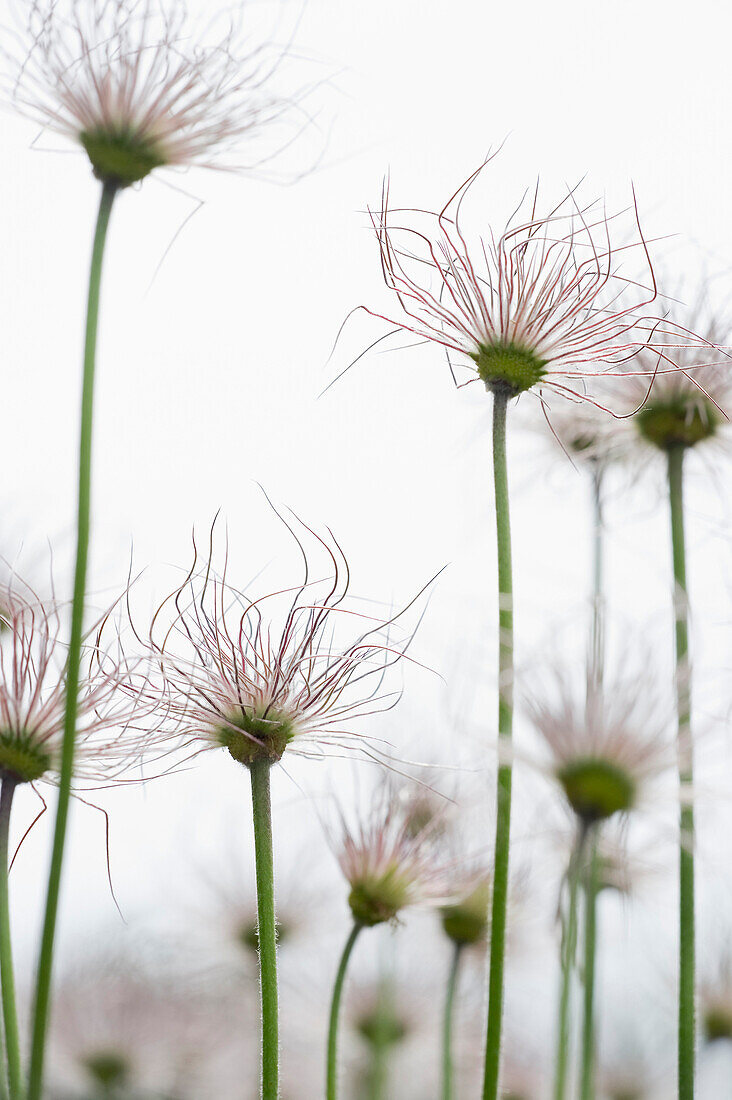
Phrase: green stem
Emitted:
{"points": [[45, 959], [505, 724], [378, 1073], [590, 950], [335, 1007], [597, 639], [568, 952], [10, 1014], [452, 981], [266, 925], [687, 1022]]}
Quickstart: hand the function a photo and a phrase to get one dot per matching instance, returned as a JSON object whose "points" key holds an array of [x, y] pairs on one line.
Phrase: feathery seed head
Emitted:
{"points": [[32, 697], [689, 405], [263, 675], [605, 747], [139, 87], [545, 305], [388, 866]]}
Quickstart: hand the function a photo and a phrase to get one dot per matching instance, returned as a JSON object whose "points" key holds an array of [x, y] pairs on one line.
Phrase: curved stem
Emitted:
{"points": [[590, 954], [568, 952], [335, 1007], [45, 960], [452, 981], [505, 724], [10, 1014], [266, 926], [687, 1022]]}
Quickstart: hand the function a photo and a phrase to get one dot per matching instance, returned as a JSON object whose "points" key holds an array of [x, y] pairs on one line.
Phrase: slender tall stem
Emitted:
{"points": [[335, 1009], [452, 981], [568, 952], [266, 926], [687, 1023], [10, 1014], [590, 954], [597, 636], [505, 724], [45, 960]]}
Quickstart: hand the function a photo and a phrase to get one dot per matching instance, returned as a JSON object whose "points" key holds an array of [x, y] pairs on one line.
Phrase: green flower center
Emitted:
{"points": [[376, 900], [597, 789], [251, 736], [682, 421], [22, 758], [466, 922], [121, 156], [382, 1027], [717, 1024], [507, 367], [108, 1069]]}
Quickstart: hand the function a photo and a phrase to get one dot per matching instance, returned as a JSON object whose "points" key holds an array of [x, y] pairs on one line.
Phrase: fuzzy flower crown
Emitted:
{"points": [[688, 406], [140, 88], [388, 866], [33, 691], [261, 675], [605, 748], [545, 303]]}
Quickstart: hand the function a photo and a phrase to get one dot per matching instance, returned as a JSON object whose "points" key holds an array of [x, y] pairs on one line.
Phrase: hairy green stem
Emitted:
{"points": [[505, 723], [335, 1008], [687, 1021], [568, 953], [45, 959], [452, 981], [10, 1013], [590, 954], [259, 771]]}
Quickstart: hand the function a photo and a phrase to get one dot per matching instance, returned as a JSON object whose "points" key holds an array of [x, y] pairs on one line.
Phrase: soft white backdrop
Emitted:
{"points": [[208, 378]]}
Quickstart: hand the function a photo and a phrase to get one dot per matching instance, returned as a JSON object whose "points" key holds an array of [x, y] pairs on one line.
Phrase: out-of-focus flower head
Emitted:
{"points": [[261, 675], [389, 867], [139, 87], [690, 405], [544, 305], [715, 1003], [465, 920], [606, 747], [33, 693]]}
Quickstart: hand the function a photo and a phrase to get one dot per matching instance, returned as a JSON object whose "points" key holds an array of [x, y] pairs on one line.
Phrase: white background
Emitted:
{"points": [[208, 383]]}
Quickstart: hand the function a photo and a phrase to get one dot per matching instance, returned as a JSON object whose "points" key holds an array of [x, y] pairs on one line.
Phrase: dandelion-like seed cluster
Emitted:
{"points": [[544, 304], [32, 697], [139, 88], [262, 675]]}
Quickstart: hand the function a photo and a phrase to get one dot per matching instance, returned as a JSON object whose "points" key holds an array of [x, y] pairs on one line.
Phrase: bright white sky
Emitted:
{"points": [[208, 379]]}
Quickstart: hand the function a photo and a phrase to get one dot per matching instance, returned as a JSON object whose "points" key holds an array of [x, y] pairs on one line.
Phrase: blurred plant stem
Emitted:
{"points": [[568, 954], [266, 925], [335, 1008], [10, 1014], [45, 959], [505, 725], [597, 633], [590, 953], [452, 981], [687, 1022]]}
